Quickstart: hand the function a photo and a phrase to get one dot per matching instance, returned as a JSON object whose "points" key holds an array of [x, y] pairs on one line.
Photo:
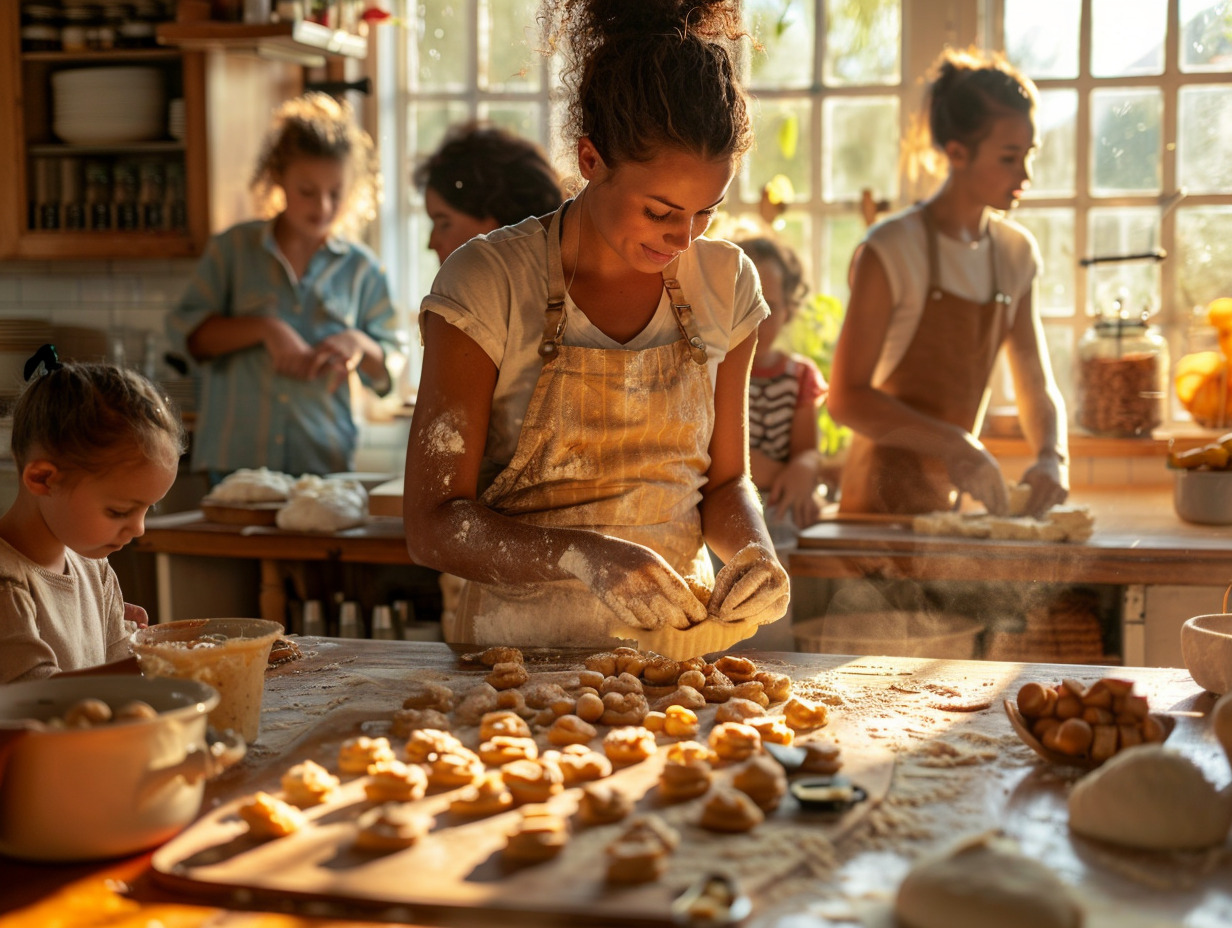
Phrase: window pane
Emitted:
{"points": [[1127, 37], [508, 41], [1204, 138], [860, 147], [519, 118], [781, 130], [1206, 35], [841, 236], [1116, 232], [1041, 36], [863, 42], [440, 46], [1060, 341], [1052, 172], [786, 31], [1054, 231], [1125, 149], [1204, 255]]}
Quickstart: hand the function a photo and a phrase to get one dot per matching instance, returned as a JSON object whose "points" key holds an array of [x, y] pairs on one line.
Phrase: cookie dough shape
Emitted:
{"points": [[1152, 798], [982, 881]]}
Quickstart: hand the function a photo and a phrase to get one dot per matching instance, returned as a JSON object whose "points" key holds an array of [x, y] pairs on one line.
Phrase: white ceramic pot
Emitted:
{"points": [[118, 788], [1203, 496]]}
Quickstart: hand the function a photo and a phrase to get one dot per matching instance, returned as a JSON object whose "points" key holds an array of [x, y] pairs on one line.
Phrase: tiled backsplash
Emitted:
{"points": [[128, 300]]}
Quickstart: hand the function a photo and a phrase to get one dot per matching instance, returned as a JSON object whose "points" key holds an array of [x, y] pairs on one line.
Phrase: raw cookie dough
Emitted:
{"points": [[1152, 798], [983, 881]]}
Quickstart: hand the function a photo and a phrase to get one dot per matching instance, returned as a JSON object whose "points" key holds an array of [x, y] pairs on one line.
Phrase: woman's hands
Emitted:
{"points": [[335, 356], [1049, 482], [751, 587], [794, 491], [973, 470], [633, 581]]}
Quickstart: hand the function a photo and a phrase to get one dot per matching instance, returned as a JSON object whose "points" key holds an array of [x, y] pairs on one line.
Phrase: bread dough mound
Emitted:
{"points": [[630, 744], [682, 781], [394, 781], [639, 855], [423, 744], [762, 779], [680, 722], [309, 784], [533, 780], [773, 729], [984, 881], [729, 810], [391, 827], [1152, 798], [487, 797], [686, 752], [459, 767], [579, 764], [503, 722], [270, 817], [315, 504], [735, 740], [424, 694], [804, 715], [737, 709], [539, 836], [602, 804], [570, 729], [252, 485], [357, 755], [776, 686], [822, 757], [504, 749]]}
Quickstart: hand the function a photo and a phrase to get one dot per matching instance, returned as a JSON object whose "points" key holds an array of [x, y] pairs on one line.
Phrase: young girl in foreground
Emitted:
{"points": [[282, 309], [937, 290], [581, 430], [95, 447]]}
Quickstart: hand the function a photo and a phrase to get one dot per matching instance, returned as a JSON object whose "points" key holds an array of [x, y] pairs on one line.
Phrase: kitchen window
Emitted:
{"points": [[1135, 122]]}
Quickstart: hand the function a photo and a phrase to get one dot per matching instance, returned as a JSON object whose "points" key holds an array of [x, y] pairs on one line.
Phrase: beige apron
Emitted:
{"points": [[943, 374], [613, 441]]}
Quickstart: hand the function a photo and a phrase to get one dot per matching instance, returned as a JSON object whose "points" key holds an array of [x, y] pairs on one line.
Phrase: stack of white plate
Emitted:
{"points": [[104, 106], [19, 339], [175, 118]]}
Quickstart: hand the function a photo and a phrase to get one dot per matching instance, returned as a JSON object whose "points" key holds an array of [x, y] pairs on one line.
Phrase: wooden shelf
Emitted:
{"points": [[309, 43], [109, 55], [63, 149]]}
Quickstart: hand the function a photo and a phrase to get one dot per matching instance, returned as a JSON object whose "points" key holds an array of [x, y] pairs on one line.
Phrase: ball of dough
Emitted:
{"points": [[270, 817], [984, 881], [1152, 798], [394, 781]]}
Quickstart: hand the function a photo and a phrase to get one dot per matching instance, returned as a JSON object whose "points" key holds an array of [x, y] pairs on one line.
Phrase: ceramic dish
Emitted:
{"points": [[1023, 731]]}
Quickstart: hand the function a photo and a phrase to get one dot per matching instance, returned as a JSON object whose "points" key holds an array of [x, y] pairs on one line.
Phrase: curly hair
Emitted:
{"points": [[652, 74], [315, 125], [773, 249], [488, 172], [86, 416], [968, 90]]}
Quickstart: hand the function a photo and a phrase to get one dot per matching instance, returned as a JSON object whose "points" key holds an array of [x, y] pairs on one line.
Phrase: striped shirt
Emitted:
{"points": [[247, 414], [774, 395]]}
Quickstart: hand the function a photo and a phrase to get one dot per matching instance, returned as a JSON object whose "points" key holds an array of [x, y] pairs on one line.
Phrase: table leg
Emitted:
{"points": [[272, 596]]}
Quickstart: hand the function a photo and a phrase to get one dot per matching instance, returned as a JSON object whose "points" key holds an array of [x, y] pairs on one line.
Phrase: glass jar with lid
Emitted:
{"points": [[1122, 376]]}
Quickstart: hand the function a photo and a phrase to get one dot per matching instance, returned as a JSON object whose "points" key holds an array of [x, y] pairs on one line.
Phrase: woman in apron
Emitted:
{"points": [[937, 290], [580, 436]]}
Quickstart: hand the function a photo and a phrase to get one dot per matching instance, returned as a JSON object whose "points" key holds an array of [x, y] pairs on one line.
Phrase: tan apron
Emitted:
{"points": [[613, 441], [943, 374]]}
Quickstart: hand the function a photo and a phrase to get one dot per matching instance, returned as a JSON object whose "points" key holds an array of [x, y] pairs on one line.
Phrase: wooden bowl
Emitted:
{"points": [[1058, 758]]}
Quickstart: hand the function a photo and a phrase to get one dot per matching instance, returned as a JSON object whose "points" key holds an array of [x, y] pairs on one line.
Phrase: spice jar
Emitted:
{"points": [[1122, 376]]}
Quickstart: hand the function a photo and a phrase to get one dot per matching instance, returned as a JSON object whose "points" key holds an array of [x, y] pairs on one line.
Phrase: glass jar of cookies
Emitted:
{"points": [[1122, 376]]}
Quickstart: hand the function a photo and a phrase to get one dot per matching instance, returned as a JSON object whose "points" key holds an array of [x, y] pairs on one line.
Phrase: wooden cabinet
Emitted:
{"points": [[146, 199]]}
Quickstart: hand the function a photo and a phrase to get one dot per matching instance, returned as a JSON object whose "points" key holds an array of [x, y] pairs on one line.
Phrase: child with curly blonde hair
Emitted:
{"points": [[284, 308]]}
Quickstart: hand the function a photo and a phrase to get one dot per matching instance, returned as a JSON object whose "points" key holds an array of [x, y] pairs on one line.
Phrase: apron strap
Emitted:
{"points": [[934, 274], [684, 315], [555, 320]]}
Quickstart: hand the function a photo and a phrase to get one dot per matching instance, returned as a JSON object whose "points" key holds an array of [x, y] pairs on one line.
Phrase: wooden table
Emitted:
{"points": [[958, 769], [381, 540]]}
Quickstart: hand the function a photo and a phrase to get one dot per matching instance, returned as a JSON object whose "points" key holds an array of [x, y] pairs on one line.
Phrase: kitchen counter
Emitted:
{"points": [[1138, 539], [957, 768]]}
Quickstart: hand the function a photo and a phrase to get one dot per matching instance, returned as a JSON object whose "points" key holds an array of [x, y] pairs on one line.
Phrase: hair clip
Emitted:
{"points": [[45, 358]]}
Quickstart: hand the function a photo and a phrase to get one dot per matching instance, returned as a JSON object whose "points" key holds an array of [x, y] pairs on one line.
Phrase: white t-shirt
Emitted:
{"points": [[495, 289], [52, 622], [901, 242]]}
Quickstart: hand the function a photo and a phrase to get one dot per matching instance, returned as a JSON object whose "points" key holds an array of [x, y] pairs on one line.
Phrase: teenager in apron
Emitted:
{"points": [[613, 441], [881, 479]]}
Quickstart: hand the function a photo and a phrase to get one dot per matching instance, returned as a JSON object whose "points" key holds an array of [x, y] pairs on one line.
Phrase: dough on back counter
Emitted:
{"points": [[1060, 524], [982, 881]]}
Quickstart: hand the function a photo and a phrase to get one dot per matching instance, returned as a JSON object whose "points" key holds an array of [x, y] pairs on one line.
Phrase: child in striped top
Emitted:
{"points": [[785, 393]]}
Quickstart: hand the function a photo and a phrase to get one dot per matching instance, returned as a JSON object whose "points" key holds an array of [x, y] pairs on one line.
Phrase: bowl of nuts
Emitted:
{"points": [[1075, 725]]}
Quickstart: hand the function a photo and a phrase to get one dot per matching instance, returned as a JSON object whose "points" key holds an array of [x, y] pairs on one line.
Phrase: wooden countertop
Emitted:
{"points": [[1138, 539], [958, 768]]}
